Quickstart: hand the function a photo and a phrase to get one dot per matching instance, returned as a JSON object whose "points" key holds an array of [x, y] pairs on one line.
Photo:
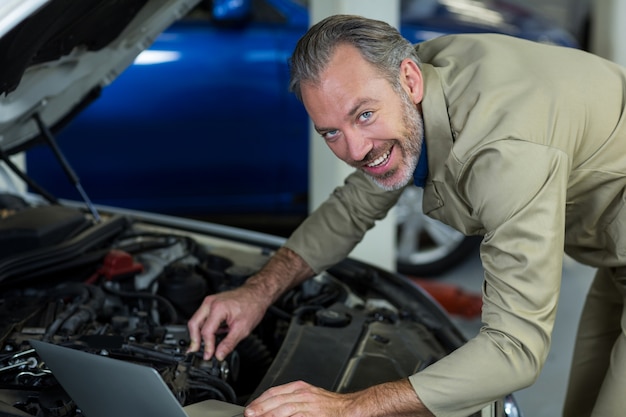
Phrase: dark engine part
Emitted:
{"points": [[353, 351], [183, 286], [37, 227]]}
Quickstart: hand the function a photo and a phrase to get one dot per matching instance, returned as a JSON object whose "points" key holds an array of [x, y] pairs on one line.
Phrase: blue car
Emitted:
{"points": [[215, 84]]}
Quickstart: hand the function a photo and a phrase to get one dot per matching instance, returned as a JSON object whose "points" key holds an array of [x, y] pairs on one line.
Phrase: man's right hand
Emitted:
{"points": [[237, 312], [234, 313]]}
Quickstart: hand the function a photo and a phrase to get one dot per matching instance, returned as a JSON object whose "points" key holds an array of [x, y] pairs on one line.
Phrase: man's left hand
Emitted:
{"points": [[304, 400]]}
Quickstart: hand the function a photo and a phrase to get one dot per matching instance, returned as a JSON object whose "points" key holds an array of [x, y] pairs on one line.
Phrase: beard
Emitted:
{"points": [[410, 146]]}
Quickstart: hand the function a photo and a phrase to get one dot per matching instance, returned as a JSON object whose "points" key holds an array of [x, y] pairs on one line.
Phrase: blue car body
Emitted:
{"points": [[203, 123]]}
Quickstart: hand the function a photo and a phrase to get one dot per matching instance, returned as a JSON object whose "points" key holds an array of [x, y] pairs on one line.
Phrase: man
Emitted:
{"points": [[520, 142]]}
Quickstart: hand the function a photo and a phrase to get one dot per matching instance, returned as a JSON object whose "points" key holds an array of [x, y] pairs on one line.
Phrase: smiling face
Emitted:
{"points": [[364, 120]]}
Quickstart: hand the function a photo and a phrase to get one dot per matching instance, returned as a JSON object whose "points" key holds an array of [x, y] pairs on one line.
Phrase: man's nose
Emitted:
{"points": [[358, 145]]}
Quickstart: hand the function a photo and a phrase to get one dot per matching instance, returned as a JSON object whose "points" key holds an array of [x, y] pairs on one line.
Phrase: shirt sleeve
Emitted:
{"points": [[329, 233], [518, 191]]}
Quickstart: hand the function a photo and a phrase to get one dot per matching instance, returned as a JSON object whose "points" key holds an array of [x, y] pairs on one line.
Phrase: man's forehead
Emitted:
{"points": [[345, 53], [347, 65]]}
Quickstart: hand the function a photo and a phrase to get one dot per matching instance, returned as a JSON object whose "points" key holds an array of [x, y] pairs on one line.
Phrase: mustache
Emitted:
{"points": [[371, 156]]}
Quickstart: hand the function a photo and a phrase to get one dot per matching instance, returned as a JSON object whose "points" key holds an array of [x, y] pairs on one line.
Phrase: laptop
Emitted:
{"points": [[107, 387]]}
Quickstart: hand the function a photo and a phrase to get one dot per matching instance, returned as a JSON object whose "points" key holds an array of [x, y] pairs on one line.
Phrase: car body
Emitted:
{"points": [[217, 87], [122, 284]]}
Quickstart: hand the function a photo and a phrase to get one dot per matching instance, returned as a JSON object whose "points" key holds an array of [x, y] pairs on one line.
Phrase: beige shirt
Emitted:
{"points": [[526, 146]]}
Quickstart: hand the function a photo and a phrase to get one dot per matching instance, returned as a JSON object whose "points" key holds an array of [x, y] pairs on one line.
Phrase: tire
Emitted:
{"points": [[426, 247]]}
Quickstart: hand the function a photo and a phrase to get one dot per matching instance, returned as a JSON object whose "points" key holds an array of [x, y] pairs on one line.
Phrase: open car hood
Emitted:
{"points": [[55, 54]]}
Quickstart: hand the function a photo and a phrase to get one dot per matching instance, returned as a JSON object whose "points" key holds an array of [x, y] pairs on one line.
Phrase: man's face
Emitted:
{"points": [[364, 121]]}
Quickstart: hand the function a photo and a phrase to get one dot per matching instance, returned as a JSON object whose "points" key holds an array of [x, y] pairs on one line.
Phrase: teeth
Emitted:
{"points": [[378, 161]]}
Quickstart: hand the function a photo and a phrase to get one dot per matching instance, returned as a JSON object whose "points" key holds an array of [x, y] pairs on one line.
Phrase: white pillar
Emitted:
{"points": [[325, 169], [608, 31]]}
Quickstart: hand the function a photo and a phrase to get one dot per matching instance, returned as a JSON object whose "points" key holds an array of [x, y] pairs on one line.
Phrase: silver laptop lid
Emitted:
{"points": [[107, 387]]}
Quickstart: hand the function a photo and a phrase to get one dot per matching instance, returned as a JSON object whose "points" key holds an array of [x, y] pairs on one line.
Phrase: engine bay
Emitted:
{"points": [[125, 287]]}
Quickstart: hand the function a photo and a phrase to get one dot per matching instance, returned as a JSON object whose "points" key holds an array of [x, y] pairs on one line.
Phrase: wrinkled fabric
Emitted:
{"points": [[527, 147]]}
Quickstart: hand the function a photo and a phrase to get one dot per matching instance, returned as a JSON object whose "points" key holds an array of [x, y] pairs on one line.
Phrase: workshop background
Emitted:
{"points": [[595, 24]]}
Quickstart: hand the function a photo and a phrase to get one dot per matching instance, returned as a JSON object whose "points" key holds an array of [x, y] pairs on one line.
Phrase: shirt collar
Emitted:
{"points": [[437, 129]]}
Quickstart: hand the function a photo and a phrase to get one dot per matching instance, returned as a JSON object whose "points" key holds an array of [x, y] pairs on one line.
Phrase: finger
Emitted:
{"points": [[210, 327], [228, 344], [199, 326], [281, 400], [193, 325], [278, 390], [208, 337]]}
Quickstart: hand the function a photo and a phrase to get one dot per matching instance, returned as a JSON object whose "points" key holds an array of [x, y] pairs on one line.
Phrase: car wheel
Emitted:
{"points": [[426, 247]]}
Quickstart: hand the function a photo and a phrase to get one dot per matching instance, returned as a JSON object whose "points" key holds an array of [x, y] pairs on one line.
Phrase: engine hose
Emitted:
{"points": [[214, 381], [65, 289], [139, 295], [86, 312], [254, 352], [217, 394]]}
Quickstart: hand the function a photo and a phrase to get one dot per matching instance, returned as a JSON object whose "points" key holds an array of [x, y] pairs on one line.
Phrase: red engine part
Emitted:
{"points": [[116, 264]]}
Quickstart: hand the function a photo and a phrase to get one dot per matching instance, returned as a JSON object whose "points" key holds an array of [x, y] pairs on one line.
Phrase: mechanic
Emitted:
{"points": [[521, 142]]}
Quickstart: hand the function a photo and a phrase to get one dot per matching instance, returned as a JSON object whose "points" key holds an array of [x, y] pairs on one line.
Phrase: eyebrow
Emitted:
{"points": [[360, 103]]}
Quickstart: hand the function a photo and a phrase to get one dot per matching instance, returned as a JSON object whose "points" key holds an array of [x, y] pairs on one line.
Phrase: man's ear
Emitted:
{"points": [[411, 79]]}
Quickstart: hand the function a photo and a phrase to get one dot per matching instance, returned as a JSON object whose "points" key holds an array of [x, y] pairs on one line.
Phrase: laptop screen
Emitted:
{"points": [[106, 387]]}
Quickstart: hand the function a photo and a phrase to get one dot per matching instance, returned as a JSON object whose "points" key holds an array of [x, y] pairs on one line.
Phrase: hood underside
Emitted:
{"points": [[55, 52]]}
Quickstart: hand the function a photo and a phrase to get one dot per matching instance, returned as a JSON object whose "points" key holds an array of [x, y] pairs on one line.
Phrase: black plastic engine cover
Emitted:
{"points": [[362, 353], [38, 227]]}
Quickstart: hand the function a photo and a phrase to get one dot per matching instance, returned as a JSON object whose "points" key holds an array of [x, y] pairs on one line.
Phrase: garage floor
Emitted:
{"points": [[545, 398]]}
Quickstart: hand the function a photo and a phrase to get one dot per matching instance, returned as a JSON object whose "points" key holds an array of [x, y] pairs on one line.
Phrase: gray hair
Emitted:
{"points": [[379, 43]]}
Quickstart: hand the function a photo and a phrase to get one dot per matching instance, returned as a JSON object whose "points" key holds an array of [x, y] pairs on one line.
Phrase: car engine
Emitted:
{"points": [[125, 287]]}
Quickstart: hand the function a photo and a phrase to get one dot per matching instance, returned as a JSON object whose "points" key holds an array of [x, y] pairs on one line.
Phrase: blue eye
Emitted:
{"points": [[330, 134], [365, 115]]}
